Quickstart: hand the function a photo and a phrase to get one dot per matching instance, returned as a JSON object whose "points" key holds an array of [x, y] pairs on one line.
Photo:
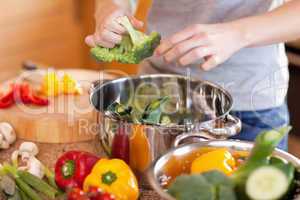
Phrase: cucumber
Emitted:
{"points": [[267, 183]]}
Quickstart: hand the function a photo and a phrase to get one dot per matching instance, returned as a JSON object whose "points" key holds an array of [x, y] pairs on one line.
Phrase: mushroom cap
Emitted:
{"points": [[29, 147], [8, 132]]}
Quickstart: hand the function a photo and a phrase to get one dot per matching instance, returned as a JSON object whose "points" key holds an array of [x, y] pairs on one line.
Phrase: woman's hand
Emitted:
{"points": [[108, 31], [214, 43]]}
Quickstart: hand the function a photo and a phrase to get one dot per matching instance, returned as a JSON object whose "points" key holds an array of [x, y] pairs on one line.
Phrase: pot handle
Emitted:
{"points": [[228, 127], [180, 138], [223, 128]]}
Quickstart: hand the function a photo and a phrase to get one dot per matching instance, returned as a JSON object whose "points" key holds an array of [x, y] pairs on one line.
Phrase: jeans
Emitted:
{"points": [[254, 122]]}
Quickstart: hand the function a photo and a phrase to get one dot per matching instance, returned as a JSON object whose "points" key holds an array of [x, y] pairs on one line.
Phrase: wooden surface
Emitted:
{"points": [[67, 118], [50, 152]]}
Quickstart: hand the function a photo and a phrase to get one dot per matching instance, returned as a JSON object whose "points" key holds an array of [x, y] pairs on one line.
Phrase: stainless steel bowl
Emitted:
{"points": [[206, 105], [156, 174]]}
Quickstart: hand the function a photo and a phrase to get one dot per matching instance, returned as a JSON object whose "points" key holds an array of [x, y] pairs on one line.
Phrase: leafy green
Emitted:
{"points": [[153, 111], [151, 115], [120, 111], [212, 185], [133, 48]]}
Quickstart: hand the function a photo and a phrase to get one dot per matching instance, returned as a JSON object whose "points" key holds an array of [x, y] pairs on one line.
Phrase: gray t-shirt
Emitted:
{"points": [[256, 77]]}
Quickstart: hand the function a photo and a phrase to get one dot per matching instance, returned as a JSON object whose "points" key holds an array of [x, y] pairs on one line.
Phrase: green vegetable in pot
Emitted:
{"points": [[153, 111], [151, 115], [264, 146], [120, 111], [212, 185], [261, 171]]}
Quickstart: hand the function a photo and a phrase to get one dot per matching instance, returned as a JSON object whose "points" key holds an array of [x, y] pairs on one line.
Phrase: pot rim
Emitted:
{"points": [[96, 86], [152, 179]]}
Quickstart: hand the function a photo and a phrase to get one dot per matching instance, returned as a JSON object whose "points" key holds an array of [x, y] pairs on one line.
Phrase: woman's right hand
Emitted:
{"points": [[108, 31]]}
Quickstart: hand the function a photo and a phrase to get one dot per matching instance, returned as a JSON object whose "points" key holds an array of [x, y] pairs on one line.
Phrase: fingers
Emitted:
{"points": [[211, 62], [195, 54], [135, 22], [115, 27], [89, 40], [168, 43], [111, 37], [106, 39], [110, 32], [185, 46]]}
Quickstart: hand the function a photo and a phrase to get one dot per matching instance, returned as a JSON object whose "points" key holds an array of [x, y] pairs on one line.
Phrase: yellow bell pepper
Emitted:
{"points": [[115, 177], [70, 85], [51, 85], [220, 159]]}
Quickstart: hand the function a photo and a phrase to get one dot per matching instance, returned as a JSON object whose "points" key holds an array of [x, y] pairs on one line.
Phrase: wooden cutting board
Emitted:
{"points": [[68, 118]]}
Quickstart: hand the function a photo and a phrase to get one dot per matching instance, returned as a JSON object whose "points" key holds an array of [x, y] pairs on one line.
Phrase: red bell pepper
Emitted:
{"points": [[120, 145], [21, 93], [25, 93], [72, 168], [28, 97], [7, 100]]}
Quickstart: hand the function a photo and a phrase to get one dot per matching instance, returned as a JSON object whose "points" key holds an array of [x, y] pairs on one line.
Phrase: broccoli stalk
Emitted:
{"points": [[133, 48]]}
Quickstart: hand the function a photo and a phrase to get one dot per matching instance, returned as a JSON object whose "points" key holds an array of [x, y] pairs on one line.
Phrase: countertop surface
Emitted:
{"points": [[50, 152]]}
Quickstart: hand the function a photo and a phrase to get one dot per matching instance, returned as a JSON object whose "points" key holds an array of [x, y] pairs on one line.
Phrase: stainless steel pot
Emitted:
{"points": [[156, 174], [204, 108]]}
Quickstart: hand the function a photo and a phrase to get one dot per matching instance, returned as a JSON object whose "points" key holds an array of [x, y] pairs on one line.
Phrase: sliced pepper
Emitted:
{"points": [[115, 177], [51, 85], [72, 168], [7, 100], [220, 159], [70, 85]]}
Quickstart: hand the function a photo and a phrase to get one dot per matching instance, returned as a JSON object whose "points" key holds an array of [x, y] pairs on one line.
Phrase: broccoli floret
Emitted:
{"points": [[132, 50]]}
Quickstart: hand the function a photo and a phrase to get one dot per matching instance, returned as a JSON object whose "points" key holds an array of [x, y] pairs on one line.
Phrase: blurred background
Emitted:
{"points": [[53, 32]]}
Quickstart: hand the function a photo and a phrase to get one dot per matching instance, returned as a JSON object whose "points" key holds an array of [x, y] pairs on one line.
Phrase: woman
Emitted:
{"points": [[235, 43]]}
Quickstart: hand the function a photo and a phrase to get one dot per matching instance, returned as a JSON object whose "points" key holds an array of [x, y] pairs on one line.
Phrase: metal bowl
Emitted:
{"points": [[207, 106], [157, 173]]}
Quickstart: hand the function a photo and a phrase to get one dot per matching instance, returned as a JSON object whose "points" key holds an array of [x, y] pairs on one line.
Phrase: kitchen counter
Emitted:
{"points": [[50, 152]]}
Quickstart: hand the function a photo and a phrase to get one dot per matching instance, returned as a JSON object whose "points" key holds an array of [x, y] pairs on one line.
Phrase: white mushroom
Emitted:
{"points": [[28, 151], [7, 135], [3, 143], [35, 167]]}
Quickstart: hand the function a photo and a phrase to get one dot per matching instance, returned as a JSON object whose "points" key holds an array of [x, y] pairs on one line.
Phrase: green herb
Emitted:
{"points": [[38, 184]]}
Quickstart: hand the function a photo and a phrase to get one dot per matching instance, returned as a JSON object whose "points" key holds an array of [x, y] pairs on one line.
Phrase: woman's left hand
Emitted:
{"points": [[214, 43]]}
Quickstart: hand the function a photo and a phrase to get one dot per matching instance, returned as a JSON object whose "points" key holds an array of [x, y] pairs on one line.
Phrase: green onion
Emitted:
{"points": [[38, 184]]}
